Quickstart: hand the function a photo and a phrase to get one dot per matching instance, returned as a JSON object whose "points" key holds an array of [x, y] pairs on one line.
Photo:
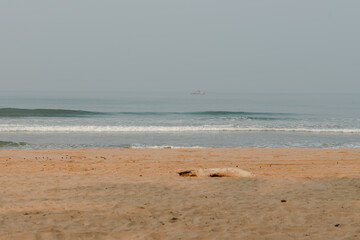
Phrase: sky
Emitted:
{"points": [[245, 46]]}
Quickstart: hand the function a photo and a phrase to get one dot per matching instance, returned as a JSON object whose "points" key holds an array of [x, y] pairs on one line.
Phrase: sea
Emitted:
{"points": [[32, 120]]}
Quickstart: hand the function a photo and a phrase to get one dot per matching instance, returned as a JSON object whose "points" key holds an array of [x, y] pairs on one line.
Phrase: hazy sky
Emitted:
{"points": [[180, 45]]}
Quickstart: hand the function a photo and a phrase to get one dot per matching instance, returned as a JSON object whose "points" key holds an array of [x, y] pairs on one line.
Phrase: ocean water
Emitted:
{"points": [[178, 119]]}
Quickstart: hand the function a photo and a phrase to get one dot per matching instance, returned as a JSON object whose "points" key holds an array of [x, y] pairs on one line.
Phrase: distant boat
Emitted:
{"points": [[198, 92]]}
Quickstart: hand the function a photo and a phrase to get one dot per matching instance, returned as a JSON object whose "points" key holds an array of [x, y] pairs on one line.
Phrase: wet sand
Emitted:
{"points": [[137, 194]]}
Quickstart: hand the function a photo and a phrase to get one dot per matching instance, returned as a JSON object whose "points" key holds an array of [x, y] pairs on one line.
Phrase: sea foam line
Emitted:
{"points": [[206, 128]]}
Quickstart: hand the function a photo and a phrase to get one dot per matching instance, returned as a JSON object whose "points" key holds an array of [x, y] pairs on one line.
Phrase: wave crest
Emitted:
{"points": [[11, 144], [19, 112]]}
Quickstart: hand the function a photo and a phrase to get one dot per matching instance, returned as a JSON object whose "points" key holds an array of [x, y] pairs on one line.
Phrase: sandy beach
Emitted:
{"points": [[138, 194]]}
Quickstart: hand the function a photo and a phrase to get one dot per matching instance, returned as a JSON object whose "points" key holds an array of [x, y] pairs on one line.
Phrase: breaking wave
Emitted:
{"points": [[205, 128], [11, 144], [19, 112]]}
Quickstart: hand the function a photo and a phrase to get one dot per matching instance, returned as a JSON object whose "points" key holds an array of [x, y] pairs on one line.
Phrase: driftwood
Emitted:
{"points": [[216, 172]]}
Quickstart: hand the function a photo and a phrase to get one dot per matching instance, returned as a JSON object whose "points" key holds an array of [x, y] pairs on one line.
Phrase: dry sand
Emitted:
{"points": [[137, 194]]}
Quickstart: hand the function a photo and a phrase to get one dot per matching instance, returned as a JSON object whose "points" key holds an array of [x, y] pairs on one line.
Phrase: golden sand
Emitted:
{"points": [[137, 194]]}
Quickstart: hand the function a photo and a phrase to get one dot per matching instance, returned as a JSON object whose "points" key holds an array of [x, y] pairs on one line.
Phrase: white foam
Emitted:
{"points": [[165, 146], [205, 128]]}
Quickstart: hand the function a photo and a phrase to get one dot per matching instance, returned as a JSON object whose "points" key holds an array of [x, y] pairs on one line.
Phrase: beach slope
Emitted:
{"points": [[138, 194]]}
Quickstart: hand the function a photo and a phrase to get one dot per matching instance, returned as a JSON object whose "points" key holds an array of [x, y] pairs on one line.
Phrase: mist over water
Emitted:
{"points": [[121, 73], [179, 119]]}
